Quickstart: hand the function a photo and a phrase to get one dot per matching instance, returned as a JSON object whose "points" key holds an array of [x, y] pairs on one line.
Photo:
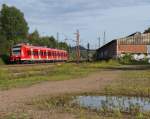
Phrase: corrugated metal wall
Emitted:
{"points": [[148, 49]]}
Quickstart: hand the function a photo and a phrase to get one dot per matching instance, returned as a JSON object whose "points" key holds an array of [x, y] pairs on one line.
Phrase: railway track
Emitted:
{"points": [[39, 64], [26, 65]]}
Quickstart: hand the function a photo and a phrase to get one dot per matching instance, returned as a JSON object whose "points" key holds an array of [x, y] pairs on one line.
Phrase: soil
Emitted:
{"points": [[14, 99]]}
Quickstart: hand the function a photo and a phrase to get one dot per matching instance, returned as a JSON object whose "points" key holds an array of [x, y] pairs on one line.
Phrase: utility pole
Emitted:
{"points": [[99, 41], [65, 40], [88, 49], [57, 39], [104, 38], [78, 46]]}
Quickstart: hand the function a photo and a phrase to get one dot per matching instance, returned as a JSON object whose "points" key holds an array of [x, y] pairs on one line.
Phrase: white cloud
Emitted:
{"points": [[118, 17]]}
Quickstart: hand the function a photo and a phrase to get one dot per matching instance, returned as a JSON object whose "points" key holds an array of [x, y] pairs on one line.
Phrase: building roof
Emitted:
{"points": [[107, 44], [133, 34]]}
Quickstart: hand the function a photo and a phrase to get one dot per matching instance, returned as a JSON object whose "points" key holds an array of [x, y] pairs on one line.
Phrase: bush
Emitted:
{"points": [[4, 59], [1, 61], [128, 59]]}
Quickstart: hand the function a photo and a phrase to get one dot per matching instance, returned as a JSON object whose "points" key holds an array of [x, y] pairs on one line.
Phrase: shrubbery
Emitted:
{"points": [[128, 59], [1, 61], [4, 59]]}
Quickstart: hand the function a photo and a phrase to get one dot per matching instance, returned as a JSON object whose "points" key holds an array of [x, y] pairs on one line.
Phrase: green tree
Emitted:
{"points": [[13, 24], [63, 45], [34, 38], [52, 42], [34, 35]]}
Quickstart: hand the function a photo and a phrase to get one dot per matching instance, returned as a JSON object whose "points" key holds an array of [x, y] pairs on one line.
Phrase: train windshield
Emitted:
{"points": [[16, 50]]}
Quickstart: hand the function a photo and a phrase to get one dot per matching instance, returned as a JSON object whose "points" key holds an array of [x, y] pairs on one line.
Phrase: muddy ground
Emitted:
{"points": [[14, 99]]}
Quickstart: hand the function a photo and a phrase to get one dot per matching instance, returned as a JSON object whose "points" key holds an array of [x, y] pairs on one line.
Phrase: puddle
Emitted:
{"points": [[110, 103]]}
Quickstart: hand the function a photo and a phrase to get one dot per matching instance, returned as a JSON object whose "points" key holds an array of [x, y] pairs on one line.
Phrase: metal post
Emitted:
{"points": [[78, 46]]}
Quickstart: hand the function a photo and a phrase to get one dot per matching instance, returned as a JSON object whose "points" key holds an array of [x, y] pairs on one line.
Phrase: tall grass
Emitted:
{"points": [[20, 76], [1, 61], [134, 83], [105, 64], [67, 104], [29, 75]]}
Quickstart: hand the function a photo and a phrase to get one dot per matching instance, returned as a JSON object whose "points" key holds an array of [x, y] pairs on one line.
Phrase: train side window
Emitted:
{"points": [[41, 53], [49, 53], [45, 53], [35, 53], [28, 52]]}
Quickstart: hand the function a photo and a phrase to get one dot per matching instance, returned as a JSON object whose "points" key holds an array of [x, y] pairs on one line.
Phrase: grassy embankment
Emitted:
{"points": [[130, 83], [26, 75]]}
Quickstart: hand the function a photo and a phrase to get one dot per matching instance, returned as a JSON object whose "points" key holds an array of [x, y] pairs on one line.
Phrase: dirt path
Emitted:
{"points": [[9, 99]]}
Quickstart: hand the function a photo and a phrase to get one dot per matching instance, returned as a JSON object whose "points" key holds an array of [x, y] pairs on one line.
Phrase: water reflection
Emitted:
{"points": [[109, 103]]}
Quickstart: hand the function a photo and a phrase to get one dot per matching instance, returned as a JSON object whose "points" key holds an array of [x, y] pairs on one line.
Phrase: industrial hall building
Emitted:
{"points": [[137, 44]]}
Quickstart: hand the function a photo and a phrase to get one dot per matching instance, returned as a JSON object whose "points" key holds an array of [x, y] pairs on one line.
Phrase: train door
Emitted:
{"points": [[35, 54]]}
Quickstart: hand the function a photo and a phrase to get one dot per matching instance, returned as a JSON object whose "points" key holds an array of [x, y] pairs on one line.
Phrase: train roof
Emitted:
{"points": [[39, 47]]}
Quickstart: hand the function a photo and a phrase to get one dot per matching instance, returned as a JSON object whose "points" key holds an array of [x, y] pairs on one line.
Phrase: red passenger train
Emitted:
{"points": [[25, 53]]}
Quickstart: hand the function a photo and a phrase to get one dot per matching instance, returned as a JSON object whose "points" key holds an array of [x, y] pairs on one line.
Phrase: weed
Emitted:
{"points": [[28, 75]]}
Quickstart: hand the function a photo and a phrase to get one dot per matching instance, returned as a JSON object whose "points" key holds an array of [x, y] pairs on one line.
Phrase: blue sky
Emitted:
{"points": [[92, 17]]}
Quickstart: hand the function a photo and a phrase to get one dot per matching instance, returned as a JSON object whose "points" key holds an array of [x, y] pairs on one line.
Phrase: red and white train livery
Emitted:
{"points": [[28, 53]]}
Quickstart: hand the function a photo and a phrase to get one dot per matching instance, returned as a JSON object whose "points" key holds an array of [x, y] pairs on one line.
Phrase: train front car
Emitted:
{"points": [[15, 55]]}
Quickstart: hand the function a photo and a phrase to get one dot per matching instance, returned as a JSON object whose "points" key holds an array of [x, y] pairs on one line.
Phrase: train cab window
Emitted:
{"points": [[16, 52]]}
